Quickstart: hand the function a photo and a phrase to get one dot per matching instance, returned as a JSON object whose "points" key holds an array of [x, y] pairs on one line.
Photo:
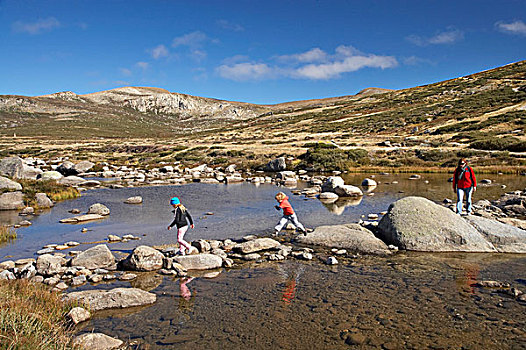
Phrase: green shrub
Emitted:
{"points": [[511, 144]]}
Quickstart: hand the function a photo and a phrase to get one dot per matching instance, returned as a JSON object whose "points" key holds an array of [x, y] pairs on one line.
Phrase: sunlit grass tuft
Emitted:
{"points": [[7, 234], [32, 317]]}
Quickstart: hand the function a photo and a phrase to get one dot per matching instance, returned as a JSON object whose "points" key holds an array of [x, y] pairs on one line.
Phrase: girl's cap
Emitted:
{"points": [[175, 200]]}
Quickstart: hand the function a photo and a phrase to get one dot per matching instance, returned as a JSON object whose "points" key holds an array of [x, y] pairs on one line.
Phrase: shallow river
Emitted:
{"points": [[410, 300]]}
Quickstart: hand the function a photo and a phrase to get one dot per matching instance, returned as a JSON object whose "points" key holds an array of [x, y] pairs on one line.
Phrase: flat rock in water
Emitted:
{"points": [[96, 341], [256, 245], [416, 223], [351, 236], [95, 257], [117, 298], [199, 261], [82, 218], [134, 200], [506, 238]]}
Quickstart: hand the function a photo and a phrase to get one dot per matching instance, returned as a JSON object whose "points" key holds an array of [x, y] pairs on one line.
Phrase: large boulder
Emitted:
{"points": [[43, 201], [12, 201], [351, 236], [256, 245], [12, 167], [67, 168], [199, 261], [15, 168], [416, 223], [506, 238], [331, 183], [144, 258], [9, 184], [99, 209], [117, 298], [48, 265], [94, 258], [276, 165], [96, 341]]}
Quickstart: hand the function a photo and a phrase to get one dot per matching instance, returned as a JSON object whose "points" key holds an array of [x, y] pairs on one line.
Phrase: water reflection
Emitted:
{"points": [[147, 281], [291, 278], [338, 207]]}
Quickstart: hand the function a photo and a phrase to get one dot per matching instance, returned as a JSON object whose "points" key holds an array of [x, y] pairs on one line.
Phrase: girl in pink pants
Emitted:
{"points": [[181, 219]]}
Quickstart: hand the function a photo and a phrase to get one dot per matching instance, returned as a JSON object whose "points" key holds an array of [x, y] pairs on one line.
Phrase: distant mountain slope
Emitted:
{"points": [[486, 104]]}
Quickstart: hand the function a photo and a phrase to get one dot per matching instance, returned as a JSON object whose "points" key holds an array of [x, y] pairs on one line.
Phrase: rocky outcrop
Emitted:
{"points": [[351, 236], [16, 168], [95, 257], [71, 181], [118, 298], [144, 258], [12, 201], [9, 184], [506, 238], [96, 341], [256, 245], [416, 223], [199, 261]]}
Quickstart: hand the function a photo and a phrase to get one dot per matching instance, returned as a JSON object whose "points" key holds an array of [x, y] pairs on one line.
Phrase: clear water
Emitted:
{"points": [[410, 300]]}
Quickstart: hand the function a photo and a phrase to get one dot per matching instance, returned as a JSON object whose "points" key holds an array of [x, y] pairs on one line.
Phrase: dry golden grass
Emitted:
{"points": [[32, 317], [7, 234]]}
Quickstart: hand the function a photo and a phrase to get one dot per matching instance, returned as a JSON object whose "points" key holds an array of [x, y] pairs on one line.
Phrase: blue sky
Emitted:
{"points": [[253, 51]]}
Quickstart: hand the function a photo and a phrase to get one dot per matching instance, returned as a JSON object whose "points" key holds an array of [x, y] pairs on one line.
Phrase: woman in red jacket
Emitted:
{"points": [[464, 183]]}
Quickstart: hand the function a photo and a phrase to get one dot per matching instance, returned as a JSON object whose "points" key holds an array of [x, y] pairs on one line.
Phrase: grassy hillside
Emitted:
{"points": [[482, 116]]}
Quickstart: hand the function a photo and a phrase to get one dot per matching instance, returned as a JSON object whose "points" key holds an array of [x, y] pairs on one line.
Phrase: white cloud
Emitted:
{"points": [[230, 26], [193, 40], [314, 64], [40, 26], [245, 71], [349, 64], [517, 27], [198, 55], [415, 61], [313, 55], [159, 52], [125, 72], [448, 36], [142, 65]]}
